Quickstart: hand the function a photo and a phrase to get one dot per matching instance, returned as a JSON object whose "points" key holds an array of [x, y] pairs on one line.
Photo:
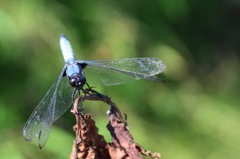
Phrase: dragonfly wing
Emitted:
{"points": [[116, 72], [62, 102], [52, 106], [33, 126]]}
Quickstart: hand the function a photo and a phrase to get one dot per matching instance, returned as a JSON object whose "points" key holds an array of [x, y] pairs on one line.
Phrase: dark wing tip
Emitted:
{"points": [[41, 147], [27, 139]]}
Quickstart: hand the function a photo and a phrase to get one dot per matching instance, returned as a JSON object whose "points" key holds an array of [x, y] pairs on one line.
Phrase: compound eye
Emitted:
{"points": [[72, 82], [83, 80]]}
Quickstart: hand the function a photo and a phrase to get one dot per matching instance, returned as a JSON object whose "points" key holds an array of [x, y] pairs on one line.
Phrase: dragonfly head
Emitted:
{"points": [[77, 81]]}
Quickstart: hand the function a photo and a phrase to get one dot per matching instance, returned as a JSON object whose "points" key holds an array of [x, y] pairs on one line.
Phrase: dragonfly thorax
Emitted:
{"points": [[77, 81]]}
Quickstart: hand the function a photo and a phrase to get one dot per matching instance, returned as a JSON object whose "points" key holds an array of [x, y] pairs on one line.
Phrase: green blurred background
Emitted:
{"points": [[194, 115]]}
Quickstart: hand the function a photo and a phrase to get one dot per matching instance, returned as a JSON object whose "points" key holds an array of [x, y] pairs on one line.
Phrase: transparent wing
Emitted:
{"points": [[120, 71], [56, 101]]}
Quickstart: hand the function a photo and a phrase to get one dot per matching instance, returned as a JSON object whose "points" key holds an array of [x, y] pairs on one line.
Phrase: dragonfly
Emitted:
{"points": [[72, 78]]}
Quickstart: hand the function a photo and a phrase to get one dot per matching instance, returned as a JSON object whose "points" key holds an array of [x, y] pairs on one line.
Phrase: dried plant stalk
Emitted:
{"points": [[90, 145]]}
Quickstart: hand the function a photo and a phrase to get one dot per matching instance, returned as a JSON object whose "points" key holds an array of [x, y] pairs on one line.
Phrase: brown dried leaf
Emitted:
{"points": [[89, 144]]}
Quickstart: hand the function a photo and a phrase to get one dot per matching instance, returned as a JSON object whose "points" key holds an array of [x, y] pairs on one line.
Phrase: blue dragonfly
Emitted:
{"points": [[59, 97]]}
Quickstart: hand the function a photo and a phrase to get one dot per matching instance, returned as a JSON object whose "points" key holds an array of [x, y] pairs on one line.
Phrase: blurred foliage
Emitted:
{"points": [[195, 114]]}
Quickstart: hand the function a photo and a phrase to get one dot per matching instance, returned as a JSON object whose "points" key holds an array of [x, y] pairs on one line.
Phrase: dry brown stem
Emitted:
{"points": [[90, 145]]}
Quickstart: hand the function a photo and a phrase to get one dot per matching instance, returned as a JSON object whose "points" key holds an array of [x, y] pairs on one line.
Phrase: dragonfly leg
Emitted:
{"points": [[80, 106], [74, 93], [91, 89]]}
